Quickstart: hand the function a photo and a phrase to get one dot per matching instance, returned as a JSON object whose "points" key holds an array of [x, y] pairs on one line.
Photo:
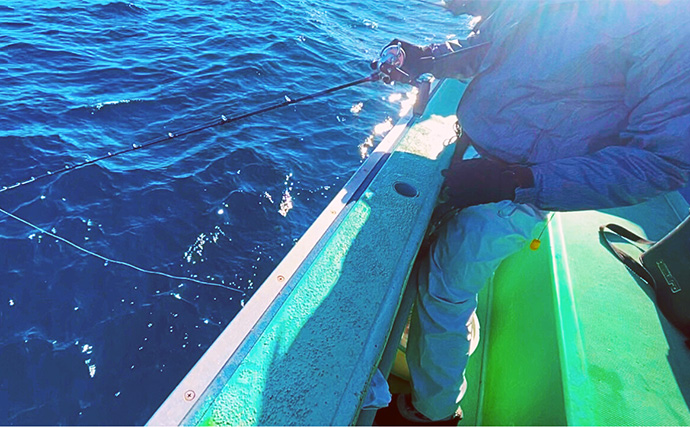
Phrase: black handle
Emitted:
{"points": [[626, 259]]}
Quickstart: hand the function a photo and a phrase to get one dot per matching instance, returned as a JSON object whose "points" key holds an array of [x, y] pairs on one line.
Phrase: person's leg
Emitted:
{"points": [[467, 252]]}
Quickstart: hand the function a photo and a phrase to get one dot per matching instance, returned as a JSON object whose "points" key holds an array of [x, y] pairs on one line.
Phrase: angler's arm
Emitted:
{"points": [[652, 155], [457, 60], [614, 176]]}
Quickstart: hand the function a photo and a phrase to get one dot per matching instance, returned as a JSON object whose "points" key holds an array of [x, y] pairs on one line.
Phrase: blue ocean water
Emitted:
{"points": [[83, 341]]}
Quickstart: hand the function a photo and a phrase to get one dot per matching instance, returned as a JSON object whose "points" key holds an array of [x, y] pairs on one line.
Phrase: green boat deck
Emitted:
{"points": [[569, 335]]}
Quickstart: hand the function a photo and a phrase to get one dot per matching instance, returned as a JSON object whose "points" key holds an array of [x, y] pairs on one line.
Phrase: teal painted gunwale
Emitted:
{"points": [[309, 358]]}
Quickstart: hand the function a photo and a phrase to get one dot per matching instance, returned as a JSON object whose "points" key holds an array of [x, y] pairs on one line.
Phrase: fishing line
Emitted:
{"points": [[172, 135], [110, 260]]}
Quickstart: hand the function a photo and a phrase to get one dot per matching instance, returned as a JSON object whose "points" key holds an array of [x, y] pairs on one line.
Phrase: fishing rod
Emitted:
{"points": [[376, 75], [391, 56], [223, 120]]}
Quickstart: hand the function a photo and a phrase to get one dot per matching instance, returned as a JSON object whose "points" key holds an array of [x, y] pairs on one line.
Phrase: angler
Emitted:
{"points": [[573, 105]]}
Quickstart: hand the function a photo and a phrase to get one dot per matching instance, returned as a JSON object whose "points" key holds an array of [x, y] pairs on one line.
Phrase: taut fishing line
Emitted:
{"points": [[106, 259], [171, 135]]}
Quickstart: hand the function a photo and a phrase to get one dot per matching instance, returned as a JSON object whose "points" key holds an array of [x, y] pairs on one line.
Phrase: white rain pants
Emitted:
{"points": [[464, 257]]}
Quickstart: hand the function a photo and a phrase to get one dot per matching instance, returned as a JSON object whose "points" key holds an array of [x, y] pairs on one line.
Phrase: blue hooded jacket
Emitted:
{"points": [[593, 95]]}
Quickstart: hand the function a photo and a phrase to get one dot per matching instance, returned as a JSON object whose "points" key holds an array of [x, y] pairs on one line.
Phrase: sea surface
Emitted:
{"points": [[85, 341]]}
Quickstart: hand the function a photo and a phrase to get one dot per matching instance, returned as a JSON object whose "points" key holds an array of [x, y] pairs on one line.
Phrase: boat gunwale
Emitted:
{"points": [[185, 400]]}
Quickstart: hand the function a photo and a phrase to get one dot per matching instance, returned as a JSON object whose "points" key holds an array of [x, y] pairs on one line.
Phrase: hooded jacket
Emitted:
{"points": [[594, 96]]}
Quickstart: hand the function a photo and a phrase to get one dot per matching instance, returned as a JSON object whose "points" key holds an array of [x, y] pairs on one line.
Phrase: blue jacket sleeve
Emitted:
{"points": [[614, 176], [462, 60], [458, 61], [652, 155]]}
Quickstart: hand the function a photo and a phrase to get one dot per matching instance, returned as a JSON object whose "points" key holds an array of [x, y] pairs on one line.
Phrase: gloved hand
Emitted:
{"points": [[418, 61], [479, 181]]}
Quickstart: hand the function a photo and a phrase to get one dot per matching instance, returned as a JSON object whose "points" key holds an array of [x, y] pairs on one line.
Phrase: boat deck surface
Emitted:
{"points": [[571, 337]]}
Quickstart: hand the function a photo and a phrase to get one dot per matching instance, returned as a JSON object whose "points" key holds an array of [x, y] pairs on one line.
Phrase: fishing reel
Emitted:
{"points": [[388, 68], [390, 62]]}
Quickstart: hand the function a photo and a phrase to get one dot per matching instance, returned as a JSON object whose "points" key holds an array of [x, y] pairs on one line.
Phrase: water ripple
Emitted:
{"points": [[85, 341]]}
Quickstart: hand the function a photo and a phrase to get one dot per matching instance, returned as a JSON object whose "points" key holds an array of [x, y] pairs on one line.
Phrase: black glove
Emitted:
{"points": [[479, 181], [418, 61]]}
